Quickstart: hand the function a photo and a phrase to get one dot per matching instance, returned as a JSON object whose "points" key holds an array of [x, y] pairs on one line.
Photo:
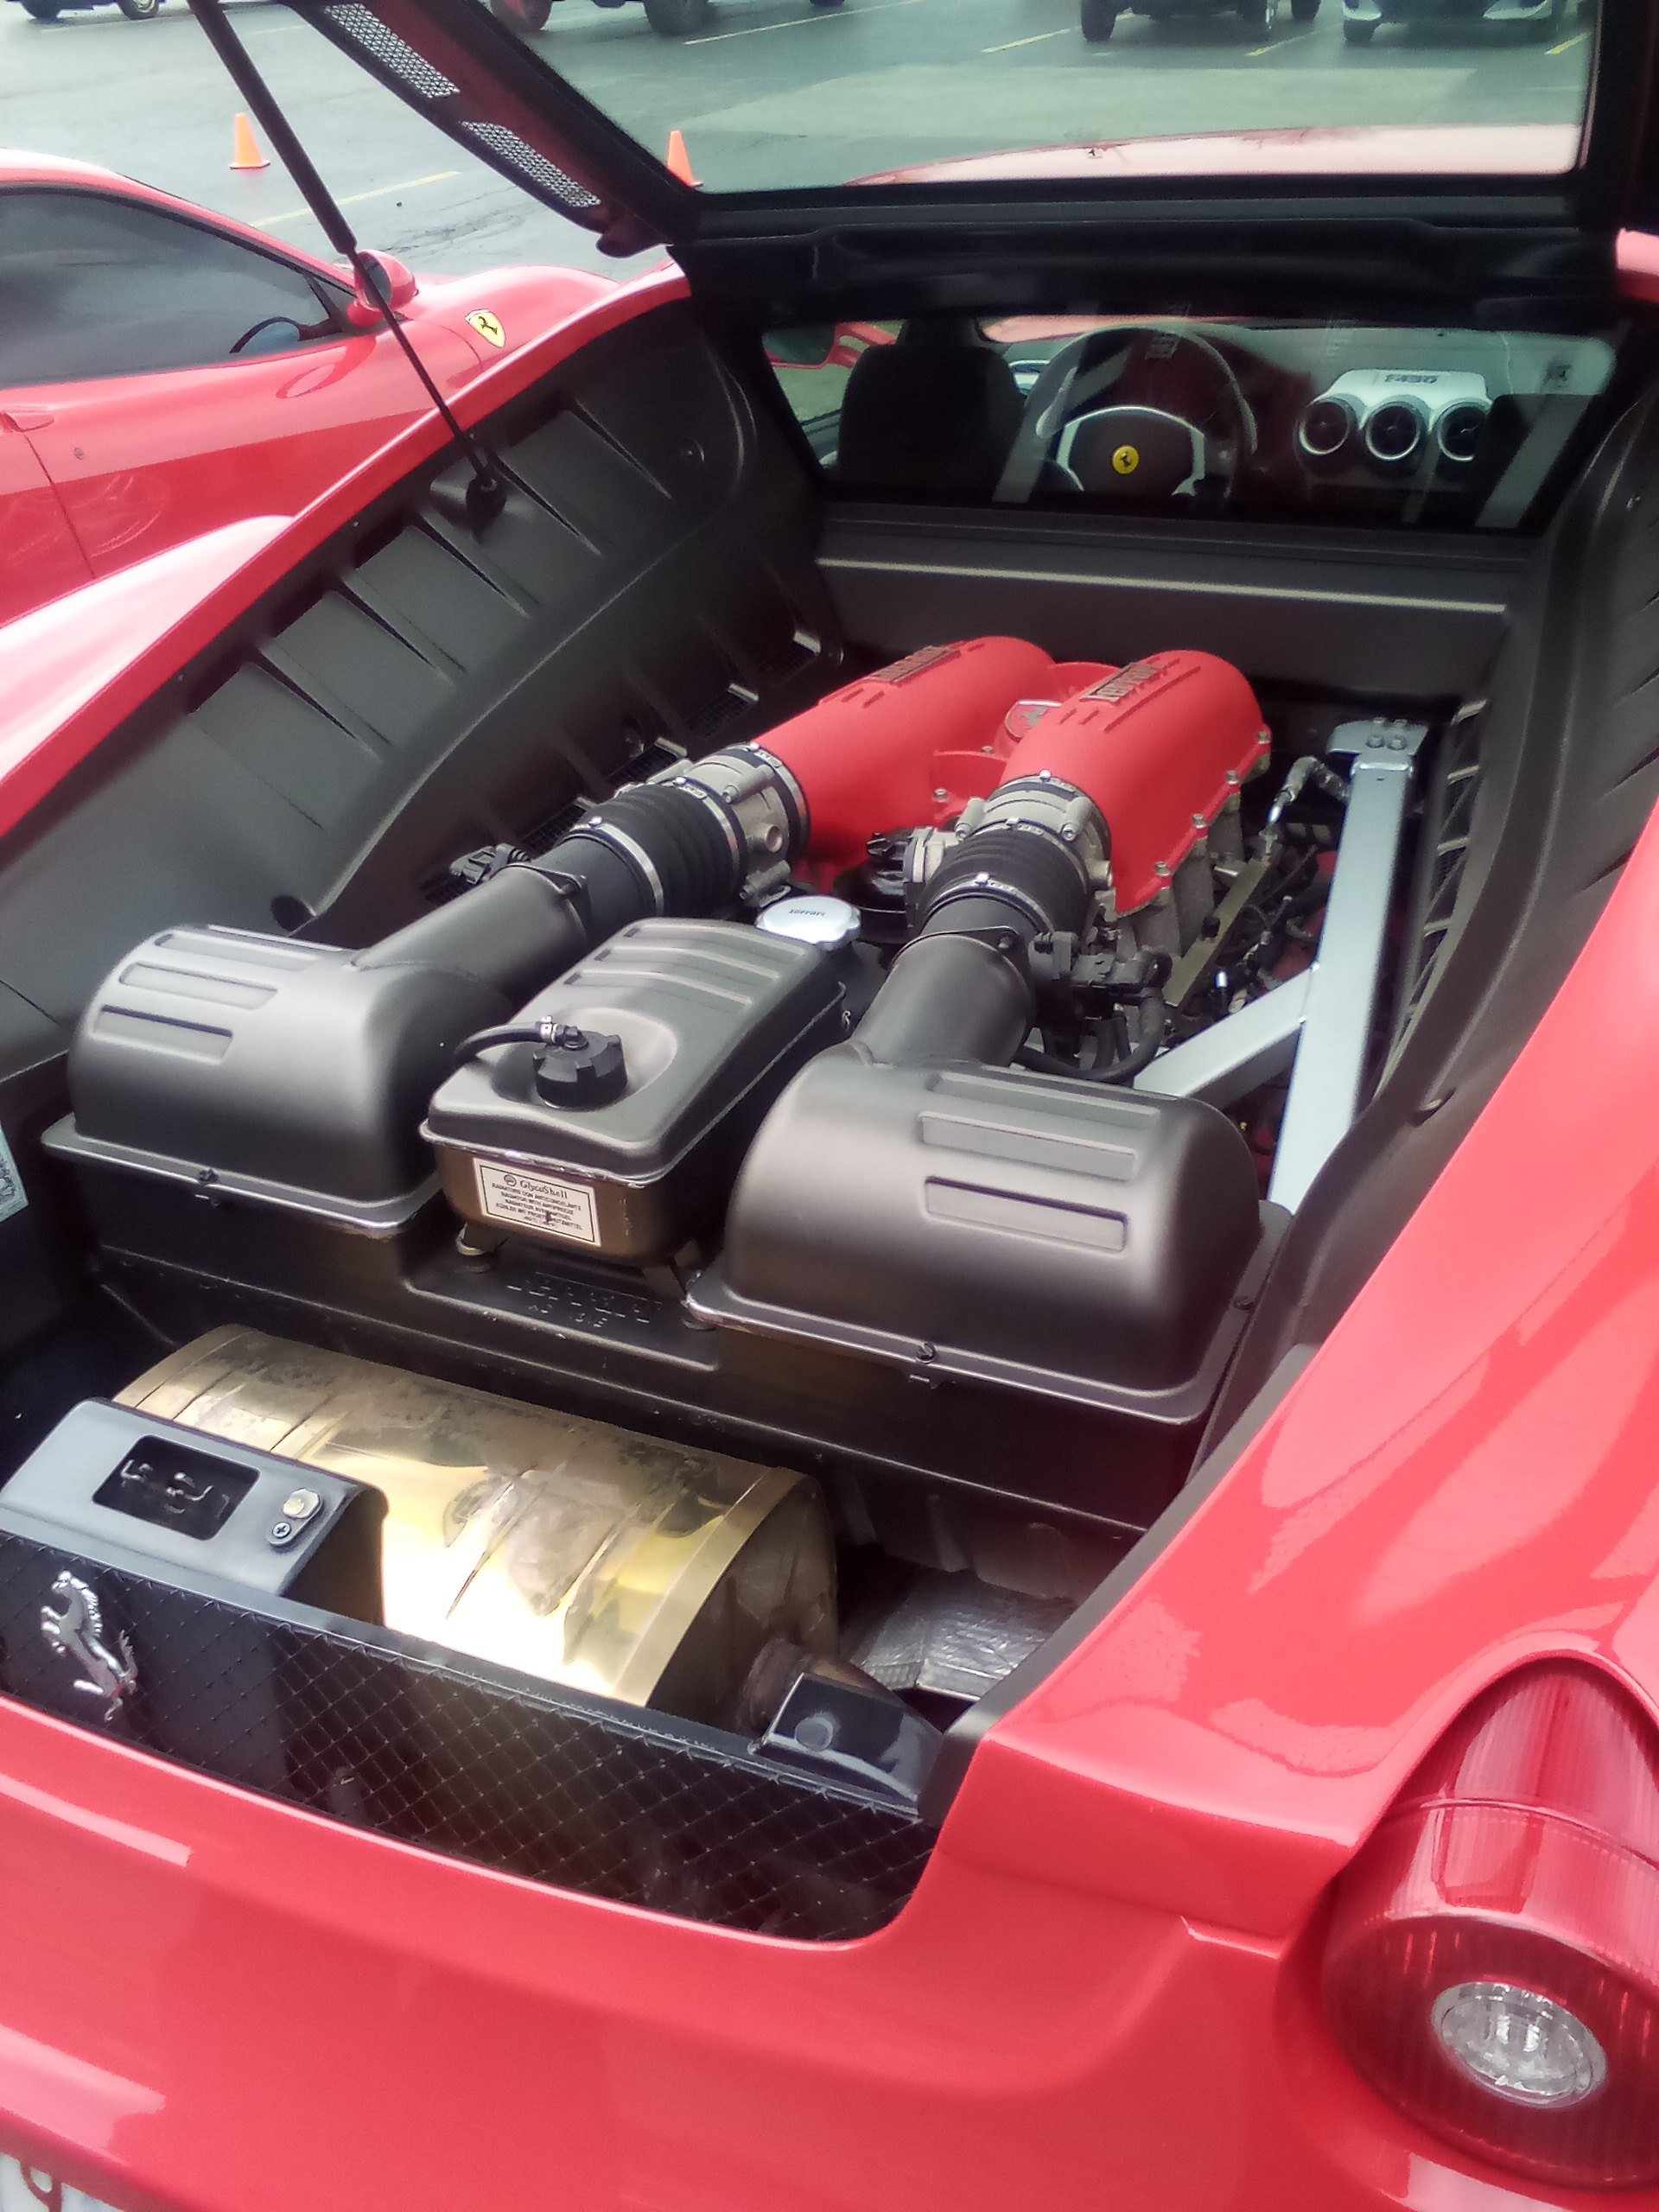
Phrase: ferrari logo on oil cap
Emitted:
{"points": [[1127, 459], [487, 325]]}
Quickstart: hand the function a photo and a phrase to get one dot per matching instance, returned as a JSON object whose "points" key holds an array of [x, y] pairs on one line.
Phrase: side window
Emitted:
{"points": [[91, 286], [812, 366]]}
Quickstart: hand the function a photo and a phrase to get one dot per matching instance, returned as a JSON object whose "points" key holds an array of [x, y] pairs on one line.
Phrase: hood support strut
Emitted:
{"points": [[487, 492]]}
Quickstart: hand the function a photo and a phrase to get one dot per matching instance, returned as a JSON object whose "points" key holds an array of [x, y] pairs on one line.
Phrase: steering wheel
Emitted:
{"points": [[1108, 447]]}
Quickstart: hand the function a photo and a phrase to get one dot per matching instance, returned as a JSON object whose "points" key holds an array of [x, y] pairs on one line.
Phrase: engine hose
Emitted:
{"points": [[691, 843], [509, 1033], [1154, 1025], [962, 988]]}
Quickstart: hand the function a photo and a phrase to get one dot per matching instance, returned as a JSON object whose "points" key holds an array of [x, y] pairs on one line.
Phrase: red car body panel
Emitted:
{"points": [[72, 650], [142, 462], [40, 557], [196, 449], [1102, 1989], [104, 653]]}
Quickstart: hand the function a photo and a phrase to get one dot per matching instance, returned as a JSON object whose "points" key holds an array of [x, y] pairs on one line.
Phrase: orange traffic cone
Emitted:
{"points": [[247, 155], [679, 161]]}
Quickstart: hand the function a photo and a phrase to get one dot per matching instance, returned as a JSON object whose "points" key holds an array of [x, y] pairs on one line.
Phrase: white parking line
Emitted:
{"points": [[356, 198], [799, 23], [1036, 38], [1255, 53]]}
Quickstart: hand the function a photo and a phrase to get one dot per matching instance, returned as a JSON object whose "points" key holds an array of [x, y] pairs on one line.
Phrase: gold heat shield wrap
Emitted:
{"points": [[560, 1547]]}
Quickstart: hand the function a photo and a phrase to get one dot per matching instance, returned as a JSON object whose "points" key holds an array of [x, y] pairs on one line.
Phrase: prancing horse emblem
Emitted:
{"points": [[108, 1671]]}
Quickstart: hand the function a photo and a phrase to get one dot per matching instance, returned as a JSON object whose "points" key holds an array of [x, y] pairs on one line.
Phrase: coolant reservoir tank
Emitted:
{"points": [[557, 1546]]}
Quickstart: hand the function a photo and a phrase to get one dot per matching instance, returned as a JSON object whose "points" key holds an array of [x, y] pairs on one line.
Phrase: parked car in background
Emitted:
{"points": [[1542, 19], [669, 18], [47, 12], [1260, 18], [164, 370]]}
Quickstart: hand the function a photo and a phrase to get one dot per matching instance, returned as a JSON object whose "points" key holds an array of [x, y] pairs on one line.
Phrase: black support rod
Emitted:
{"points": [[487, 494]]}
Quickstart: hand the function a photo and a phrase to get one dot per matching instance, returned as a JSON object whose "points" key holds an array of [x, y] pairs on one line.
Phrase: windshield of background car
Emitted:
{"points": [[1448, 429], [815, 93]]}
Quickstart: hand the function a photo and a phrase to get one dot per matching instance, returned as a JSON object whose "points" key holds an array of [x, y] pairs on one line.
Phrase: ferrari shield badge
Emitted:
{"points": [[73, 1627], [487, 325]]}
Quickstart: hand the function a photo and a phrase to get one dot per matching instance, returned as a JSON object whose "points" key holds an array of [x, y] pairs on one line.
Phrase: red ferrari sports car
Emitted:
{"points": [[829, 1230], [164, 370]]}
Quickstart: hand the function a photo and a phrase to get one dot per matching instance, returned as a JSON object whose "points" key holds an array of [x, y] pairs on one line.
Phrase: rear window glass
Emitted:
{"points": [[1441, 429], [811, 94]]}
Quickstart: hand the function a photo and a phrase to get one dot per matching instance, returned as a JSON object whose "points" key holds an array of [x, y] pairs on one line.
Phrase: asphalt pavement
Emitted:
{"points": [[772, 91]]}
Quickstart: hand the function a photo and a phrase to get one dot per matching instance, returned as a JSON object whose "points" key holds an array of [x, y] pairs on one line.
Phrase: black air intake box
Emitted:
{"points": [[1045, 1234], [290, 1075]]}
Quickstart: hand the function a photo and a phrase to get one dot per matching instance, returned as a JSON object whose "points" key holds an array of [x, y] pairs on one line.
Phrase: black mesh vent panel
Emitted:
{"points": [[510, 152], [370, 35], [359, 31], [393, 1738]]}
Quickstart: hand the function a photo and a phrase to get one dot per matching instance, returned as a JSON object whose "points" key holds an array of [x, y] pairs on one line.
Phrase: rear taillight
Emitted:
{"points": [[1492, 1967]]}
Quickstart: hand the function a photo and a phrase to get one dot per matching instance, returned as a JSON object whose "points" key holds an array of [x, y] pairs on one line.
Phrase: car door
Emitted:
{"points": [[174, 377], [40, 558]]}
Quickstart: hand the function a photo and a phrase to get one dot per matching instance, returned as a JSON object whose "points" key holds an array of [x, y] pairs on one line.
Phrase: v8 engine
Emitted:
{"points": [[892, 1101]]}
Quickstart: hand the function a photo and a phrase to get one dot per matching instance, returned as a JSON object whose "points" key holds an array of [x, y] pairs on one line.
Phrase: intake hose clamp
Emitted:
{"points": [[1060, 810], [1035, 858], [761, 810]]}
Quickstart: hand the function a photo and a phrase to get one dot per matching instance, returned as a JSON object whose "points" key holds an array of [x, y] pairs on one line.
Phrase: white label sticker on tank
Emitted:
{"points": [[529, 1200], [12, 1199]]}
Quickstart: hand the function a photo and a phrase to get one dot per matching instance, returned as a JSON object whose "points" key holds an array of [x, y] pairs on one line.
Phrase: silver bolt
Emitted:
{"points": [[1045, 775], [981, 877], [941, 793], [1162, 870], [1199, 822], [1068, 836], [1232, 779], [300, 1504]]}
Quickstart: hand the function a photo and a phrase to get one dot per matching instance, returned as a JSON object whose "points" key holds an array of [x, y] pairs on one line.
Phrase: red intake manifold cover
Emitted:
{"points": [[1153, 745], [1159, 747], [866, 756]]}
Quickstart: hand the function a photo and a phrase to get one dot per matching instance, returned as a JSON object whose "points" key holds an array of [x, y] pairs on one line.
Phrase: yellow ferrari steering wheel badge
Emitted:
{"points": [[1127, 459], [487, 325]]}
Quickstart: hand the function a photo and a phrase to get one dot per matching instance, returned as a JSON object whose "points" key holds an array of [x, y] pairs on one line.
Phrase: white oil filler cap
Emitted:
{"points": [[812, 918]]}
